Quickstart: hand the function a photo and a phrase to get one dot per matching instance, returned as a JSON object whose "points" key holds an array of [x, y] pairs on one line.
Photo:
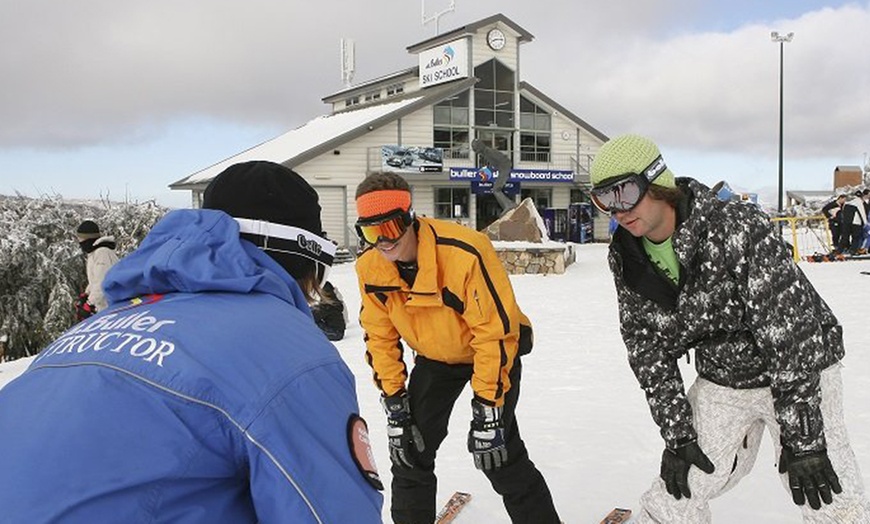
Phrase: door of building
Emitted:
{"points": [[488, 210]]}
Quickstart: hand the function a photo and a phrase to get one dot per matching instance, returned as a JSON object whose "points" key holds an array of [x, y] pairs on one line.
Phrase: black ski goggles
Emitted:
{"points": [[388, 227], [623, 192]]}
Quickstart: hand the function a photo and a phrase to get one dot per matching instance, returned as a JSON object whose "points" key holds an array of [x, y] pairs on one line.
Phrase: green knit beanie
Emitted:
{"points": [[627, 154]]}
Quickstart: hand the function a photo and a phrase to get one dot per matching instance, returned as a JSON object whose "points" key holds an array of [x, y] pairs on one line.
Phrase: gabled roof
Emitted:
{"points": [[525, 86], [470, 29], [326, 133]]}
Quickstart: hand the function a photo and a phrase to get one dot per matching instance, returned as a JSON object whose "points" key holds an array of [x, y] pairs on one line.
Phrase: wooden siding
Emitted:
{"points": [[333, 212]]}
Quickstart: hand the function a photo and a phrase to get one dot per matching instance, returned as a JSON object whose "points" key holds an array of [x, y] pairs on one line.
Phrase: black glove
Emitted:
{"points": [[83, 307], [405, 439], [675, 468], [486, 436], [810, 475]]}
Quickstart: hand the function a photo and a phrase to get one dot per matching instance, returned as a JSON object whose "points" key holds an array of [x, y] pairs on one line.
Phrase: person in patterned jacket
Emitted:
{"points": [[440, 288], [694, 273]]}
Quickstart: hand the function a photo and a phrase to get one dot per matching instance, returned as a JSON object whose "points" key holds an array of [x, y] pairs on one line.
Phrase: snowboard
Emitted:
{"points": [[450, 510], [617, 516]]}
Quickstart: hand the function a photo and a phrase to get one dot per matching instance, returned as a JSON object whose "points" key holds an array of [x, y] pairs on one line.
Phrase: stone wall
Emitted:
{"points": [[522, 260]]}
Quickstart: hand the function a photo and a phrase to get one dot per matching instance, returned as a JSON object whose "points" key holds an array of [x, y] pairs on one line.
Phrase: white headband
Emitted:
{"points": [[288, 239]]}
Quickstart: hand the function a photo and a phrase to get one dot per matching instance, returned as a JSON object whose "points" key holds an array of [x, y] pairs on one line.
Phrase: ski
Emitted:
{"points": [[457, 501], [617, 516]]}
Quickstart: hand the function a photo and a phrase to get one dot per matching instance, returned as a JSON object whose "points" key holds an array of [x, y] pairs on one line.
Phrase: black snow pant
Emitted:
{"points": [[834, 225], [433, 389]]}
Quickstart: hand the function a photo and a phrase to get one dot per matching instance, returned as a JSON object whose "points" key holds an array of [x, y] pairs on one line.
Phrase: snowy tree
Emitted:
{"points": [[42, 268]]}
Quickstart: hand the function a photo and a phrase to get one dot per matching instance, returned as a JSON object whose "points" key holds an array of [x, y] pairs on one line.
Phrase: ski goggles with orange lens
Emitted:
{"points": [[388, 227], [623, 192]]}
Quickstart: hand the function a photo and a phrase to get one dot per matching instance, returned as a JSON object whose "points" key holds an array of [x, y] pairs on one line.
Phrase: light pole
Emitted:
{"points": [[782, 39]]}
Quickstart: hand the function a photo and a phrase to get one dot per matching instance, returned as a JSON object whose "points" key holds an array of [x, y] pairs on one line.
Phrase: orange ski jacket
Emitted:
{"points": [[461, 310]]}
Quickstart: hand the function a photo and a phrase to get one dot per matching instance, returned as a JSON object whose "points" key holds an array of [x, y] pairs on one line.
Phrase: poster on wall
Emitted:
{"points": [[412, 159]]}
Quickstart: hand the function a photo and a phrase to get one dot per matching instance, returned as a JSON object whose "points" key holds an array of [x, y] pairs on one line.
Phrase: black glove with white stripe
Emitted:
{"points": [[405, 439], [486, 437]]}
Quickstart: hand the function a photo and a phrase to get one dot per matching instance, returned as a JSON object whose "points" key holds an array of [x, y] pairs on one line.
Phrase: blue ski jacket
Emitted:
{"points": [[205, 393]]}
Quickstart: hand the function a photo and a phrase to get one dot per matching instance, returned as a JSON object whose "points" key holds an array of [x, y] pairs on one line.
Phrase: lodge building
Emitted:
{"points": [[421, 122]]}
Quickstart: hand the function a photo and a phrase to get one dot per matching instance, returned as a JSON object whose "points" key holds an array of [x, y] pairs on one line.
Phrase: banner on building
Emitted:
{"points": [[412, 159], [485, 188], [517, 175]]}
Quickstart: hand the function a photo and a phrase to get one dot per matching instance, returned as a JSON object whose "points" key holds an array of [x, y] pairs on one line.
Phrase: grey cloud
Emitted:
{"points": [[92, 72]]}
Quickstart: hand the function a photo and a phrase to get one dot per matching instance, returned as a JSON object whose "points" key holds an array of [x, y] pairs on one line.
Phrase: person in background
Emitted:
{"points": [[852, 224], [694, 273], [205, 392], [440, 288], [330, 313], [100, 256], [612, 224], [831, 211], [865, 247]]}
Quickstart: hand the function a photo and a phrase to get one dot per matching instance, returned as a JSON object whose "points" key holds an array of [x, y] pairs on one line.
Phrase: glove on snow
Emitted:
{"points": [[486, 437], [404, 438], [675, 468], [810, 475]]}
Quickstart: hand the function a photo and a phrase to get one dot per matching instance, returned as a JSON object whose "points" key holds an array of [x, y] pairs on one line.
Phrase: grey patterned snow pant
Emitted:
{"points": [[724, 417]]}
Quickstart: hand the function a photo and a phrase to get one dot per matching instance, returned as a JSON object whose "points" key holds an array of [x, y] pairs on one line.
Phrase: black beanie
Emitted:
{"points": [[262, 190], [88, 229]]}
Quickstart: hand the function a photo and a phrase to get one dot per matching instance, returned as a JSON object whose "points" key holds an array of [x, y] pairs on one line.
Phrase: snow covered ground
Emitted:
{"points": [[582, 415]]}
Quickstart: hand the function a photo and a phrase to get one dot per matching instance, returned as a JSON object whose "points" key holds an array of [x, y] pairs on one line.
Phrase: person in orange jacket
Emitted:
{"points": [[440, 288]]}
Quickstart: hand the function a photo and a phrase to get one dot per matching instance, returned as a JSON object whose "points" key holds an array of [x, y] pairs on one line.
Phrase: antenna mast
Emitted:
{"points": [[437, 16], [348, 61]]}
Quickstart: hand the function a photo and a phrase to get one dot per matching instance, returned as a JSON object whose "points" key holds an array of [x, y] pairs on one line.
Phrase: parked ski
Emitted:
{"points": [[457, 501]]}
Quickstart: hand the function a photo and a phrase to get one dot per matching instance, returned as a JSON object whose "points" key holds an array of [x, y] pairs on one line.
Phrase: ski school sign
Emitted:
{"points": [[444, 63], [485, 174]]}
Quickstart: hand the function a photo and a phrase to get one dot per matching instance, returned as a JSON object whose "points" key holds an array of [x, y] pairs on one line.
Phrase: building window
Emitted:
{"points": [[395, 89], [540, 196], [352, 101], [494, 95], [451, 202], [450, 130], [535, 125], [369, 97]]}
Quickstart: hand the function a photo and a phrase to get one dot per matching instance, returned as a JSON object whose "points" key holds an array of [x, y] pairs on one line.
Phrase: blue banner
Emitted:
{"points": [[485, 188], [486, 174]]}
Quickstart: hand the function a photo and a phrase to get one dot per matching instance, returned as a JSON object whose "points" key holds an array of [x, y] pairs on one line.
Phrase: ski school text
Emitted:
{"points": [[115, 333]]}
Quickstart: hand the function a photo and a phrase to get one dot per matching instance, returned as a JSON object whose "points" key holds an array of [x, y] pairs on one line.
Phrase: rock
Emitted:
{"points": [[522, 223]]}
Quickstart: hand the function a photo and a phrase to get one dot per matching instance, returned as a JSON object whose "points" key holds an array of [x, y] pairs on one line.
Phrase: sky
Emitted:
{"points": [[583, 417], [117, 99]]}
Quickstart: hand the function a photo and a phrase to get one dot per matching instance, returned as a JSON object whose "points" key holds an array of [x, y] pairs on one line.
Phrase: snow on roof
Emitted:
{"points": [[304, 138]]}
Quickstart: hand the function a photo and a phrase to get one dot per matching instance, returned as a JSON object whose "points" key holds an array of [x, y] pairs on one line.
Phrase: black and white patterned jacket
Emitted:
{"points": [[742, 305]]}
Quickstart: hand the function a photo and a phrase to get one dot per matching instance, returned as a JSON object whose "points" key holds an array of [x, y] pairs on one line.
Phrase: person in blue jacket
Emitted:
{"points": [[205, 392]]}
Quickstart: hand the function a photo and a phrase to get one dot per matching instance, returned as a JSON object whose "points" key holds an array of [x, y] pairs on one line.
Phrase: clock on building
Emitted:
{"points": [[495, 39]]}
